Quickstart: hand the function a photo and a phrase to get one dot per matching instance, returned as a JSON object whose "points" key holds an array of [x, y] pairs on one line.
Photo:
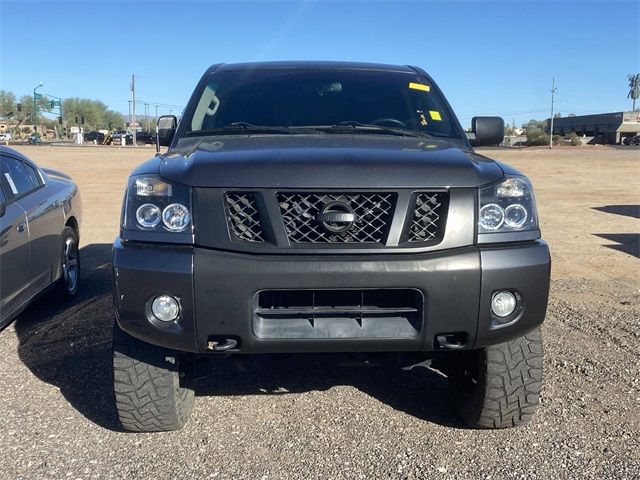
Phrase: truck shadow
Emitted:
{"points": [[68, 345], [419, 392]]}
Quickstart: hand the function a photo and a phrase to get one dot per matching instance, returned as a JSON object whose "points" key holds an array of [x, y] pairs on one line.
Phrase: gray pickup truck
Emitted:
{"points": [[315, 207]]}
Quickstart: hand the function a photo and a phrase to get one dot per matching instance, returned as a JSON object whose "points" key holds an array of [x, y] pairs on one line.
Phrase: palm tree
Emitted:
{"points": [[634, 88]]}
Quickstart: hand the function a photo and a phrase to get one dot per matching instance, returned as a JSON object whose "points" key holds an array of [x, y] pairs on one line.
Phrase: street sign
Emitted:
{"points": [[37, 96]]}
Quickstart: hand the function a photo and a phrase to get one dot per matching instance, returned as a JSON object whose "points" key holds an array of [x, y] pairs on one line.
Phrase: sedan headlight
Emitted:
{"points": [[508, 206], [156, 206]]}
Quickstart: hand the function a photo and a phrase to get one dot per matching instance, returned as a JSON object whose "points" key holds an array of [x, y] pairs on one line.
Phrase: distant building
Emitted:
{"points": [[605, 128]]}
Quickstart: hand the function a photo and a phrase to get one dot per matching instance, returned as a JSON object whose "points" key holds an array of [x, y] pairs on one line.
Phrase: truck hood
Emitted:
{"points": [[324, 161]]}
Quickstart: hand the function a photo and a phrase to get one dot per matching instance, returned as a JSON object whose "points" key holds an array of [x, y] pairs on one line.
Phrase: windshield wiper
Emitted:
{"points": [[236, 128], [252, 127], [351, 126]]}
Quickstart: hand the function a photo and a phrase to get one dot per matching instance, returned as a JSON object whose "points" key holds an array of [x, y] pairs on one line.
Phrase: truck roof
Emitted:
{"points": [[320, 65]]}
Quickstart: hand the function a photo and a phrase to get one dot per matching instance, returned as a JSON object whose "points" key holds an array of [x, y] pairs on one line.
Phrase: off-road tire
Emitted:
{"points": [[499, 386], [152, 393]]}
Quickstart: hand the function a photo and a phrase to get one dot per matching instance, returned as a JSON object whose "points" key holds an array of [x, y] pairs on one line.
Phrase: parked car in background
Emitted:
{"points": [[635, 140], [121, 137], [5, 136], [94, 136], [145, 138], [40, 215]]}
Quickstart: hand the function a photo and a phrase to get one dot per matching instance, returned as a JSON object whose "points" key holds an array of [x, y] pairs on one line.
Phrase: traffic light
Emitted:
{"points": [[19, 107], [77, 120], [60, 120], [52, 103], [82, 120]]}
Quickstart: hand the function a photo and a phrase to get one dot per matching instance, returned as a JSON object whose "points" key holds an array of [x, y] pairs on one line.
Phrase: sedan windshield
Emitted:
{"points": [[332, 100]]}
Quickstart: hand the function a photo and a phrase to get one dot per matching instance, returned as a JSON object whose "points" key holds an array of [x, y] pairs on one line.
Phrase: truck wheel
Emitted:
{"points": [[151, 390], [499, 386], [70, 263]]}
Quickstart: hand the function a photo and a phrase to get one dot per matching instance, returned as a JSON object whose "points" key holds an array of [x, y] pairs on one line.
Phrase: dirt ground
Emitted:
{"points": [[273, 421]]}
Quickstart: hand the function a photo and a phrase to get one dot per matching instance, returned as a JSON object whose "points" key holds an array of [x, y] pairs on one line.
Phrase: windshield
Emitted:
{"points": [[294, 99]]}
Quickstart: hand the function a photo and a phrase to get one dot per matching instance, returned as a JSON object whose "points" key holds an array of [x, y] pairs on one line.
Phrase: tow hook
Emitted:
{"points": [[226, 344], [451, 341]]}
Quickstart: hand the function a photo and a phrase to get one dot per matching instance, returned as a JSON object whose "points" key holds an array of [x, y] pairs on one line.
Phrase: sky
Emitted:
{"points": [[489, 58]]}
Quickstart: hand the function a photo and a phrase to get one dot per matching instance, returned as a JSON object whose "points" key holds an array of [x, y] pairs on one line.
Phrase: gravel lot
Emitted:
{"points": [[314, 421]]}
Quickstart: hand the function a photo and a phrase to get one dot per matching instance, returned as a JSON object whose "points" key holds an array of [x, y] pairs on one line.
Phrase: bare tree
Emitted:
{"points": [[634, 88]]}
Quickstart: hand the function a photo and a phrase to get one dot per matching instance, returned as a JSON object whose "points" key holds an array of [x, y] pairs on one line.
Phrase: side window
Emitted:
{"points": [[18, 177], [35, 177]]}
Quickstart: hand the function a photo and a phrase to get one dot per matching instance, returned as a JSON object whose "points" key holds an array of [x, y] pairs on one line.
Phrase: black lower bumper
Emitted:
{"points": [[219, 296]]}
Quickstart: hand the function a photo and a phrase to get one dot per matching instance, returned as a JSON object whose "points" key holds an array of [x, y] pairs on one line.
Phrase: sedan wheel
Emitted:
{"points": [[70, 262]]}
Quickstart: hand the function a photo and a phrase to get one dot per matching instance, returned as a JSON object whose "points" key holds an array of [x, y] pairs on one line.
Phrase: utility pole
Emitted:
{"points": [[553, 92], [133, 107], [35, 111]]}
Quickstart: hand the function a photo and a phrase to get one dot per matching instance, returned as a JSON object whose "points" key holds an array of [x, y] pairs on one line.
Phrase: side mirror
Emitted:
{"points": [[165, 130], [488, 130], [3, 209]]}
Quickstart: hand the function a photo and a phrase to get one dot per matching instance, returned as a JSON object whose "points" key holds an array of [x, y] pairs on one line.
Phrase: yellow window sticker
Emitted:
{"points": [[419, 86], [435, 115]]}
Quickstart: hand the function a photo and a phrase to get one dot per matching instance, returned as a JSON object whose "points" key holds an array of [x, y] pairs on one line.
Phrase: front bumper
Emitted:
{"points": [[217, 292]]}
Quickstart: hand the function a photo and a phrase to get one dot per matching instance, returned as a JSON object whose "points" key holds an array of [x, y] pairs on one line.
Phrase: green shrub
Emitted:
{"points": [[537, 139], [574, 140]]}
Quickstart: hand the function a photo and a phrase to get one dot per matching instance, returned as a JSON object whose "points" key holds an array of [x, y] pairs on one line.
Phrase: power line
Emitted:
{"points": [[159, 104]]}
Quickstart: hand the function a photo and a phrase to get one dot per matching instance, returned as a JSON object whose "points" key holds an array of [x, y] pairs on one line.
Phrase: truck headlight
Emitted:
{"points": [[176, 217], [156, 206], [148, 215], [508, 206]]}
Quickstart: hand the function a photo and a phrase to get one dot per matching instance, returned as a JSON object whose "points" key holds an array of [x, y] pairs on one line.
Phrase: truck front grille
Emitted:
{"points": [[243, 216], [367, 220], [335, 220], [427, 213]]}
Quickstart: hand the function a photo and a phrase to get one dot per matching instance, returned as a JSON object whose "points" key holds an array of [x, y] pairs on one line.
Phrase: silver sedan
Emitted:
{"points": [[40, 215]]}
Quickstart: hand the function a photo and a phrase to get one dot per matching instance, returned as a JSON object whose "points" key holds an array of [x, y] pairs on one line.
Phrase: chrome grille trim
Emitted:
{"points": [[301, 210], [426, 221], [243, 217]]}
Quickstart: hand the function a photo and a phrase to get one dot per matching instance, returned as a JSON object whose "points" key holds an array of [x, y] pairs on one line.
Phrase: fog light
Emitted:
{"points": [[165, 308], [503, 304]]}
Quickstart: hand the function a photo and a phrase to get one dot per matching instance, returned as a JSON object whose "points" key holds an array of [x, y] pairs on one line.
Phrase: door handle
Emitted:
{"points": [[22, 227]]}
